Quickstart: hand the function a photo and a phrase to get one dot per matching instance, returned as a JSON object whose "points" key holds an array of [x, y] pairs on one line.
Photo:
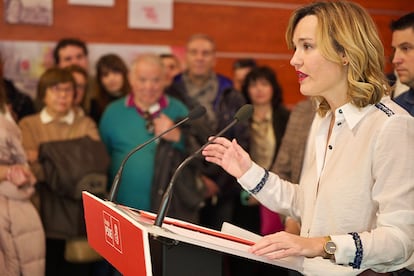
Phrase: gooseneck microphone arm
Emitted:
{"points": [[194, 114], [243, 114]]}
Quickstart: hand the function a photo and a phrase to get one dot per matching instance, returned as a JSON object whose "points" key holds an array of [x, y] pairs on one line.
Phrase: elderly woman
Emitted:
{"points": [[57, 121], [355, 198]]}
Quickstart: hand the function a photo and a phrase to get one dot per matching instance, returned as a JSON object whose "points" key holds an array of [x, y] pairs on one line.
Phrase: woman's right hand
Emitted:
{"points": [[229, 155], [20, 175]]}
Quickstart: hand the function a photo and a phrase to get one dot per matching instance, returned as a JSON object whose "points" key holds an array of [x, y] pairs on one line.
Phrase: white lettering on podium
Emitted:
{"points": [[112, 231]]}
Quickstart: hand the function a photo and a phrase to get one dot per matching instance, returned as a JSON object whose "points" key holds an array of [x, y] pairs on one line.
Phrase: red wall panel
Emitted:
{"points": [[240, 28]]}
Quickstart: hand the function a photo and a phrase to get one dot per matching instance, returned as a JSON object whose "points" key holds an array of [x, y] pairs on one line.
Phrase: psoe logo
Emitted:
{"points": [[112, 231]]}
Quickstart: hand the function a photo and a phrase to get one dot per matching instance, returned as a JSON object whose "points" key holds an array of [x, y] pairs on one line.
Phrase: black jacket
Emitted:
{"points": [[226, 104], [22, 104], [187, 197]]}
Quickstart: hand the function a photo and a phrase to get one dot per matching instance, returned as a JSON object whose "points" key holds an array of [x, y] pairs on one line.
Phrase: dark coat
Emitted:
{"points": [[226, 104], [70, 166], [21, 103], [187, 197]]}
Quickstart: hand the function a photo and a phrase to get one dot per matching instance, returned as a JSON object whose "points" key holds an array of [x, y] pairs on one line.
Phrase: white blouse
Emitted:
{"points": [[361, 181]]}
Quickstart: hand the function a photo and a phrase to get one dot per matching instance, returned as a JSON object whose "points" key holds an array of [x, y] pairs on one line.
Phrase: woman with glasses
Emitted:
{"points": [[57, 121]]}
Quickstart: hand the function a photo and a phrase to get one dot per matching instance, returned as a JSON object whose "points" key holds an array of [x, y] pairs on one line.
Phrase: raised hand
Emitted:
{"points": [[229, 155]]}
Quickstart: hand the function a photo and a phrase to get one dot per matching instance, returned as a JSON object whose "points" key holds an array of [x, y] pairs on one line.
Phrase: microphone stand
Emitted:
{"points": [[194, 114], [166, 198], [115, 184]]}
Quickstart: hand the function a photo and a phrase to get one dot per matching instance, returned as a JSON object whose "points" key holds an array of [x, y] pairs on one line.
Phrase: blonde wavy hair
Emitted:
{"points": [[345, 29]]}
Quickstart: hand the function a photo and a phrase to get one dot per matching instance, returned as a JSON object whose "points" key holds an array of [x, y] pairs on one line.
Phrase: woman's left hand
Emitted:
{"points": [[229, 155], [283, 244]]}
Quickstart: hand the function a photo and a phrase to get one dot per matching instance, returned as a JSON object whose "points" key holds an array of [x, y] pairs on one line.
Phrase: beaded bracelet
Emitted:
{"points": [[359, 250], [260, 185]]}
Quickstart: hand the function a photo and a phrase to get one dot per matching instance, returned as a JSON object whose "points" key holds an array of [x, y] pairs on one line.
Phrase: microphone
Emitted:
{"points": [[195, 113], [243, 114]]}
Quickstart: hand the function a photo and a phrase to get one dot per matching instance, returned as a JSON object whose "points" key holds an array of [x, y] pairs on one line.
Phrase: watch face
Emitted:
{"points": [[330, 247]]}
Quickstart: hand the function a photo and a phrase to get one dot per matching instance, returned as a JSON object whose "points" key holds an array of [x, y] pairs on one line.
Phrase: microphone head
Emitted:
{"points": [[244, 113], [197, 112]]}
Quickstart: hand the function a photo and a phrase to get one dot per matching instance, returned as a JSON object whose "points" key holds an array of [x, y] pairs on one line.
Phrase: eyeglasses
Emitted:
{"points": [[149, 125], [59, 88]]}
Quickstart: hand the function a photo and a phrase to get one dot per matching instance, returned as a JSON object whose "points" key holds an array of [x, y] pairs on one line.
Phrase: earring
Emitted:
{"points": [[345, 63]]}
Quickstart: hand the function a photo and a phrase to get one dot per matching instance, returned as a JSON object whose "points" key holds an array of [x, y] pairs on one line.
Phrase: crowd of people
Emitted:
{"points": [[347, 146]]}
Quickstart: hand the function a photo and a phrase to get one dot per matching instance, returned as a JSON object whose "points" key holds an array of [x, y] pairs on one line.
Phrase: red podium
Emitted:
{"points": [[129, 241]]}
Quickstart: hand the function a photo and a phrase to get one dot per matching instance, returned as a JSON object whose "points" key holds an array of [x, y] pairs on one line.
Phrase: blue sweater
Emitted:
{"points": [[122, 129]]}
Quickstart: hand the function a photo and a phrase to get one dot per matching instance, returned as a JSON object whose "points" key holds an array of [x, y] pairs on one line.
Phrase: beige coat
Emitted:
{"points": [[22, 239]]}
